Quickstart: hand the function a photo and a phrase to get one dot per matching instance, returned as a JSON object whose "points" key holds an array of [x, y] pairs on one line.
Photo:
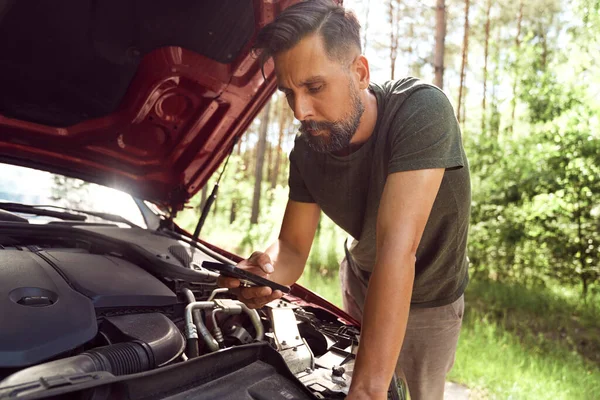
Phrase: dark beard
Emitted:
{"points": [[339, 133]]}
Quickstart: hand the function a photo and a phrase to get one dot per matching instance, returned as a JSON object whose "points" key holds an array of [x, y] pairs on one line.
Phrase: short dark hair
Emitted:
{"points": [[338, 27]]}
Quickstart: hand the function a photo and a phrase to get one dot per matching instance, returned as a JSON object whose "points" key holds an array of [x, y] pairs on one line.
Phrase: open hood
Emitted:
{"points": [[145, 96]]}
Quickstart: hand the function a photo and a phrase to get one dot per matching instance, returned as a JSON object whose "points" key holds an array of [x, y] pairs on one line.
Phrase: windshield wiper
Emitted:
{"points": [[99, 214], [27, 209], [67, 214]]}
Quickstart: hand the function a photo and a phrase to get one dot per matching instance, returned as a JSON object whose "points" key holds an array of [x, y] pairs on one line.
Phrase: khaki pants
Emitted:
{"points": [[430, 341]]}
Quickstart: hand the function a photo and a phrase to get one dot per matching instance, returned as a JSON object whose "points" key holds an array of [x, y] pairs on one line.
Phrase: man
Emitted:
{"points": [[386, 163]]}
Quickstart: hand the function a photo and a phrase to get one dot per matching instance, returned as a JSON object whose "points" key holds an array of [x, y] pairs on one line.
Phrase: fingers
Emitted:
{"points": [[255, 292], [227, 282], [257, 296], [261, 260], [259, 302], [253, 297]]}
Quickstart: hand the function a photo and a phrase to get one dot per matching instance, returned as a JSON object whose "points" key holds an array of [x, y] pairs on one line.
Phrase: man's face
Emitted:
{"points": [[322, 94]]}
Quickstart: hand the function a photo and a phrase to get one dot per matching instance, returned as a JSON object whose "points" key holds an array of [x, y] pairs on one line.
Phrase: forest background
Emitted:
{"points": [[524, 79]]}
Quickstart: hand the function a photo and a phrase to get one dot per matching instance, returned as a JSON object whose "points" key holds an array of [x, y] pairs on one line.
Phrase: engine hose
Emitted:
{"points": [[191, 349], [218, 334], [194, 324], [118, 359], [122, 358], [255, 318]]}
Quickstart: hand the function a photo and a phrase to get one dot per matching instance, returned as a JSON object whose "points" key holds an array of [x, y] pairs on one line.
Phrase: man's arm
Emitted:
{"points": [[405, 206], [290, 252], [283, 262]]}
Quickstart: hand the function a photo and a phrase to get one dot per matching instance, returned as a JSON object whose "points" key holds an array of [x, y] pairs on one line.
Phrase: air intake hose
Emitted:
{"points": [[118, 359], [122, 358]]}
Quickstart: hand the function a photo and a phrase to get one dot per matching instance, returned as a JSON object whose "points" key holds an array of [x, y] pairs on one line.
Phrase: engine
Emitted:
{"points": [[101, 302]]}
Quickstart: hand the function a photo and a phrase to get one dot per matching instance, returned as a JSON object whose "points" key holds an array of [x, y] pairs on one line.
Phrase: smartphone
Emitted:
{"points": [[245, 277]]}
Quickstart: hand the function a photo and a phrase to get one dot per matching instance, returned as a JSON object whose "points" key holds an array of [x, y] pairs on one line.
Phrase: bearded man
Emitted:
{"points": [[386, 163]]}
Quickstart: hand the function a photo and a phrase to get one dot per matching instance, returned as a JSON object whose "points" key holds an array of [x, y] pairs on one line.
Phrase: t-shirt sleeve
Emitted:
{"points": [[425, 133], [298, 190]]}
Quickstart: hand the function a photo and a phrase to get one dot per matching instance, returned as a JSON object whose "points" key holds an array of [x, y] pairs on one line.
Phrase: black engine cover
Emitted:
{"points": [[47, 300], [41, 314]]}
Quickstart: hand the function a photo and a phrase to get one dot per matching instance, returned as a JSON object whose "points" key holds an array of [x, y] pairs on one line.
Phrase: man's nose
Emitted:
{"points": [[302, 108]]}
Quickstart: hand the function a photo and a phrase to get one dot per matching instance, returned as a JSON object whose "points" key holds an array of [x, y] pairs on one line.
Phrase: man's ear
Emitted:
{"points": [[361, 69]]}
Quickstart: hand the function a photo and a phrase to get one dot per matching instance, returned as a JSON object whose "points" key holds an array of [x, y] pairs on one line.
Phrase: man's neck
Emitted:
{"points": [[366, 125]]}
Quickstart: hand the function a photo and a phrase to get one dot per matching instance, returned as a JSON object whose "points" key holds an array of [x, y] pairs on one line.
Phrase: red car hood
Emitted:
{"points": [[147, 97]]}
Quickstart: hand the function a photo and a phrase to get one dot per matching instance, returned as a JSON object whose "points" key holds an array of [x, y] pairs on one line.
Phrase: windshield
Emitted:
{"points": [[34, 187]]}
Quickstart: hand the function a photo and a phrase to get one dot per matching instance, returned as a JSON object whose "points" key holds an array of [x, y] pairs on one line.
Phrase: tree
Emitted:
{"points": [[440, 39], [366, 27], [284, 120], [464, 60], [260, 158], [516, 78], [485, 64], [394, 18]]}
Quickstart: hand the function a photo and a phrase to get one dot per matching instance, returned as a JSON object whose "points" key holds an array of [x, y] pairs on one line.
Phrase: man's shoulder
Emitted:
{"points": [[402, 99], [401, 89]]}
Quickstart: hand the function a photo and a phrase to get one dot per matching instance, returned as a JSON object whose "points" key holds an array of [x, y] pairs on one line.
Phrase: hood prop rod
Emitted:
{"points": [[211, 199]]}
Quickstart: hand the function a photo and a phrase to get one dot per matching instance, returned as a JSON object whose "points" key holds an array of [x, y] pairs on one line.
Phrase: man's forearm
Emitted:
{"points": [[384, 324], [288, 264]]}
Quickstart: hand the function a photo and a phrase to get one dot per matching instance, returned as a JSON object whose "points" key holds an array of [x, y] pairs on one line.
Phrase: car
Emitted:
{"points": [[113, 114]]}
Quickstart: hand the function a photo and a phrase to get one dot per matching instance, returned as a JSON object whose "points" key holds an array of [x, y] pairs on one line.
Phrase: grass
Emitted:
{"points": [[498, 364]]}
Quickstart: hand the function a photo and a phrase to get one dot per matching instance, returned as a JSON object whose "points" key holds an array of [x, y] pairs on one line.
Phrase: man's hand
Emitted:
{"points": [[289, 253], [257, 296], [361, 395]]}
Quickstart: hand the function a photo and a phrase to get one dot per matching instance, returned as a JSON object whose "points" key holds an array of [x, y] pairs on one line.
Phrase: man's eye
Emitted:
{"points": [[315, 89]]}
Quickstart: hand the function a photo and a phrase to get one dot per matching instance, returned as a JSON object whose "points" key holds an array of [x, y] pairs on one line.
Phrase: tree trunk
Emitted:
{"points": [[544, 39], [516, 69], [260, 159], [440, 39], [283, 122], [245, 161], [494, 123], [485, 64], [366, 27], [269, 150], [411, 49], [464, 62], [393, 16]]}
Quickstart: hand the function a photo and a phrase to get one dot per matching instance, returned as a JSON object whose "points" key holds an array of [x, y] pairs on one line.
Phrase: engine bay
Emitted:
{"points": [[86, 306]]}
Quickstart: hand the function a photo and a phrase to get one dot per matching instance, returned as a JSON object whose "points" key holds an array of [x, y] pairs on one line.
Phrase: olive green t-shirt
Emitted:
{"points": [[416, 129]]}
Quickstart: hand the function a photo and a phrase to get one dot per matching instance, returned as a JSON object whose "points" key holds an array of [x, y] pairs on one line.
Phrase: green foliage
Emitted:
{"points": [[545, 95], [536, 193], [536, 201], [325, 286]]}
